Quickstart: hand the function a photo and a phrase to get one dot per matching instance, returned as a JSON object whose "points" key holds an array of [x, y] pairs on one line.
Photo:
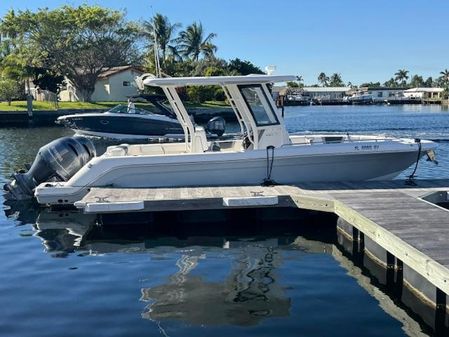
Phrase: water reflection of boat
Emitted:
{"points": [[250, 291], [247, 294], [71, 230], [63, 232]]}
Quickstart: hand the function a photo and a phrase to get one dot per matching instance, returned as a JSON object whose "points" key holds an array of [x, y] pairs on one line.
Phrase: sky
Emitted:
{"points": [[362, 40]]}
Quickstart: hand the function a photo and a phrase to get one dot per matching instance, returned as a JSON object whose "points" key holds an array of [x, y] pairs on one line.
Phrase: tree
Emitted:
{"points": [[201, 93], [243, 67], [160, 30], [5, 49], [193, 42], [323, 79], [296, 84], [416, 81], [78, 42], [391, 83], [401, 77], [209, 50], [201, 67], [9, 89], [370, 84], [445, 77], [428, 83], [336, 81], [45, 79]]}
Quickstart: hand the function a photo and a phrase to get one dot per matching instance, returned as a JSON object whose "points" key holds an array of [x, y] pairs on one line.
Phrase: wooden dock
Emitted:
{"points": [[397, 217]]}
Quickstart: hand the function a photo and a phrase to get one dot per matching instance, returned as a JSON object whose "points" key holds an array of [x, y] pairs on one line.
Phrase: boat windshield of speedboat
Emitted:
{"points": [[125, 109], [264, 154]]}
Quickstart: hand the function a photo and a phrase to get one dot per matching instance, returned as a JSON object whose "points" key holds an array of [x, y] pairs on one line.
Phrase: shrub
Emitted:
{"points": [[200, 94], [9, 89]]}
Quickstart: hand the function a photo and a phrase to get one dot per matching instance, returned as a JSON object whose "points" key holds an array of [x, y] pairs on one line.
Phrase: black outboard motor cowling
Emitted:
{"points": [[216, 125], [59, 160]]}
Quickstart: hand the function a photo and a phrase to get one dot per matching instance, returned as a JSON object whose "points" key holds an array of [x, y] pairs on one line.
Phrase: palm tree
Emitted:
{"points": [[445, 81], [323, 79], [417, 81], [209, 50], [160, 30], [401, 77], [5, 49], [192, 42], [445, 76], [336, 81]]}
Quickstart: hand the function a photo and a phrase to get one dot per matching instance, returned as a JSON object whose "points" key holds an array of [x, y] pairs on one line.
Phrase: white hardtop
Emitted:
{"points": [[248, 96], [217, 80]]}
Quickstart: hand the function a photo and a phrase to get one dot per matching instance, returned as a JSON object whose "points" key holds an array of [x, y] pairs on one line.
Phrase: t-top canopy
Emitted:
{"points": [[216, 80]]}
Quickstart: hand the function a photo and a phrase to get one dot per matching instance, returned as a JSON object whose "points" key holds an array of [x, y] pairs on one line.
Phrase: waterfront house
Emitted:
{"points": [[113, 84], [380, 94], [425, 93], [326, 93], [306, 95]]}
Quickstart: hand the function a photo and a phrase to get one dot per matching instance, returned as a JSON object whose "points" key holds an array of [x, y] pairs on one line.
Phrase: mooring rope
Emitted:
{"points": [[411, 177], [268, 181]]}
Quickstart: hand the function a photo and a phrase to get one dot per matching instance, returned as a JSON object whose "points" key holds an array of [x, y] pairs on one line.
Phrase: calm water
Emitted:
{"points": [[63, 275], [408, 121]]}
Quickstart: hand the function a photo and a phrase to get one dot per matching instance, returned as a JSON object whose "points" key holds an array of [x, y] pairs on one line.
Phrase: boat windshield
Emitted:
{"points": [[259, 105], [124, 109]]}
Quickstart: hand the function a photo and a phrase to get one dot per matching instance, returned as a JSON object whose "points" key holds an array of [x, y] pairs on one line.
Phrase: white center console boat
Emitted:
{"points": [[265, 152]]}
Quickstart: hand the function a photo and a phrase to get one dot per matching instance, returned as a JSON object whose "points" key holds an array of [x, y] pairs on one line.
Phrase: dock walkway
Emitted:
{"points": [[398, 217]]}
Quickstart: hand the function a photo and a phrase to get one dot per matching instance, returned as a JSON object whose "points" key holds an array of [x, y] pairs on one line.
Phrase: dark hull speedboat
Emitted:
{"points": [[123, 122]]}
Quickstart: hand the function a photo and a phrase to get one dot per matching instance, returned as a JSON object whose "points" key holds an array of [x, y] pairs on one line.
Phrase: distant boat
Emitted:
{"points": [[361, 99], [402, 100], [126, 122], [295, 100]]}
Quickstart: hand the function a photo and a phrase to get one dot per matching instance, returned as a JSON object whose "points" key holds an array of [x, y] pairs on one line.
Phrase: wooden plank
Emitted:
{"points": [[421, 262]]}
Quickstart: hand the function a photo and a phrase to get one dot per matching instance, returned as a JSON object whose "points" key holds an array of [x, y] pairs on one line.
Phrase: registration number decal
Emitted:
{"points": [[366, 147]]}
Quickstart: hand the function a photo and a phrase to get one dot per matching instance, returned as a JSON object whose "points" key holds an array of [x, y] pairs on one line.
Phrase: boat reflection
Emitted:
{"points": [[63, 232], [249, 293]]}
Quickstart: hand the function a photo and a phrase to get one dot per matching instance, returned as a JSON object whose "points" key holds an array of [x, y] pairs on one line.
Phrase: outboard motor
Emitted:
{"points": [[59, 160], [216, 125]]}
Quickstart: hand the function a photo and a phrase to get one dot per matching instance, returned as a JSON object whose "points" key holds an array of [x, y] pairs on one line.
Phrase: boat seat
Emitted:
{"points": [[116, 151], [199, 141], [146, 150]]}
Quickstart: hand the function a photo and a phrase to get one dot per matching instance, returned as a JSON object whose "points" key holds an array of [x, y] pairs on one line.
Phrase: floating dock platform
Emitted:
{"points": [[402, 228]]}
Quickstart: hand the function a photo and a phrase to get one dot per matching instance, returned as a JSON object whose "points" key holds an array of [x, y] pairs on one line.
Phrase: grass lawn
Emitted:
{"points": [[208, 104], [22, 105]]}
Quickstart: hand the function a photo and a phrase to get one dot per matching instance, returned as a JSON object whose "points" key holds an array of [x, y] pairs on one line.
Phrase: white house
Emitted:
{"points": [[326, 92], [383, 93], [113, 84], [424, 93]]}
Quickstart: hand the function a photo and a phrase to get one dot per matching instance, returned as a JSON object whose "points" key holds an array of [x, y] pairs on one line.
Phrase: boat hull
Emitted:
{"points": [[122, 125], [236, 171], [290, 166]]}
